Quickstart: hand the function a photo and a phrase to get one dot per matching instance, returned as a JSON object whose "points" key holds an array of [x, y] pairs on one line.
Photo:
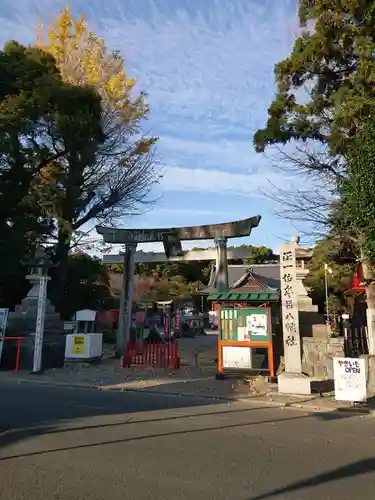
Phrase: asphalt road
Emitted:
{"points": [[62, 443]]}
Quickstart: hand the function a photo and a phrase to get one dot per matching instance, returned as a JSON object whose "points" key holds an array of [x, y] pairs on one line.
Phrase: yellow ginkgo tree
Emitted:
{"points": [[120, 181]]}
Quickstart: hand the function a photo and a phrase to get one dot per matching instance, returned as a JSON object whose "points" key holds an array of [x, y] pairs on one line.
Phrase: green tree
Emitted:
{"points": [[43, 121], [325, 92], [119, 180], [357, 208], [260, 255], [325, 252], [23, 107], [332, 63], [325, 88], [88, 285]]}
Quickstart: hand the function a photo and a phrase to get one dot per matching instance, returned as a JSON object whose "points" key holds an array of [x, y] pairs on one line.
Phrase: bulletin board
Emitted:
{"points": [[240, 331]]}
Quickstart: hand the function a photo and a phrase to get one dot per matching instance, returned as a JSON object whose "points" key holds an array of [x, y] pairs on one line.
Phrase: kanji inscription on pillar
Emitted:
{"points": [[290, 319]]}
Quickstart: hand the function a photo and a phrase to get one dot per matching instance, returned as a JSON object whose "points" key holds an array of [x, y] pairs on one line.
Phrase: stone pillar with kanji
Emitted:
{"points": [[292, 381]]}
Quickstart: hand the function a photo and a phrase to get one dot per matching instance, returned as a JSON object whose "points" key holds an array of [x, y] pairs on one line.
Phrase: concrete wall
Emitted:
{"points": [[318, 354]]}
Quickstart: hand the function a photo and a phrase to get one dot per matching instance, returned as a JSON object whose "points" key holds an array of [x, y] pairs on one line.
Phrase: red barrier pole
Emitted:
{"points": [[17, 369], [175, 356], [162, 361], [149, 352], [157, 354], [152, 354]]}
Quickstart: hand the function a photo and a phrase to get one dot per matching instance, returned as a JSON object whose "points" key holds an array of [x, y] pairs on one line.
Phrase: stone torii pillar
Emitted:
{"points": [[126, 300], [222, 281]]}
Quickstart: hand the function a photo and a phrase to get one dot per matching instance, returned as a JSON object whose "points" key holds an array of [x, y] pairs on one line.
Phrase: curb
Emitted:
{"points": [[313, 408], [225, 399], [171, 393], [54, 384], [125, 389]]}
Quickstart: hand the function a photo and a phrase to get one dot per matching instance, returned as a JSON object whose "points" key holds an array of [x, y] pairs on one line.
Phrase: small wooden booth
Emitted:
{"points": [[245, 325]]}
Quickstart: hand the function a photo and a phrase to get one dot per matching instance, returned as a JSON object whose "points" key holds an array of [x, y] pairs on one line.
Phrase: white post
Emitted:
{"points": [[39, 330]]}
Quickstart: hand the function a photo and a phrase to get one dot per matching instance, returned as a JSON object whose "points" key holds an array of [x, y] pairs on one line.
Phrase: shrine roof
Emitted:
{"points": [[248, 278]]}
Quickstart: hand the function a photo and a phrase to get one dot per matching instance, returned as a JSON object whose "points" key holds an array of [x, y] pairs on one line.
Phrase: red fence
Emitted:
{"points": [[151, 354]]}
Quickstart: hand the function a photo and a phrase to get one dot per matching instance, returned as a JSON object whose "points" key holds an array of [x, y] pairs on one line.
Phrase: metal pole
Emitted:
{"points": [[39, 330]]}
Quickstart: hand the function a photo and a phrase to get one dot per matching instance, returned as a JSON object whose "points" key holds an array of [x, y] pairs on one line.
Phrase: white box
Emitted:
{"points": [[84, 346]]}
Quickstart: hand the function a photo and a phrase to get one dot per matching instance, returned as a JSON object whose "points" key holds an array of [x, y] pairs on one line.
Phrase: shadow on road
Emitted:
{"points": [[147, 436], [32, 410], [351, 470]]}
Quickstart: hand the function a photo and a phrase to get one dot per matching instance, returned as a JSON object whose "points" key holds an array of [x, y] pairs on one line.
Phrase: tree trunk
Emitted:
{"points": [[58, 283]]}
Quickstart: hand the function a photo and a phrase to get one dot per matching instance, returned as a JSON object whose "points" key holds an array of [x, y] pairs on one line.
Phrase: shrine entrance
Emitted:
{"points": [[171, 239]]}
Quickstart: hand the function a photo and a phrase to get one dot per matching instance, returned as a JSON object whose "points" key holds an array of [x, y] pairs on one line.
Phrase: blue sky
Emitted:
{"points": [[207, 67]]}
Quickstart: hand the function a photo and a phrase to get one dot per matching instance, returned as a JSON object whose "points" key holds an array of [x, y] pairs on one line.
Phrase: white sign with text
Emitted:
{"points": [[237, 357], [350, 379]]}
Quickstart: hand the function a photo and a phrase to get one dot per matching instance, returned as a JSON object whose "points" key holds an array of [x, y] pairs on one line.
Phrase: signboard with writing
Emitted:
{"points": [[246, 325], [177, 321], [240, 331], [79, 344], [3, 325], [350, 379], [290, 319], [172, 245], [257, 325]]}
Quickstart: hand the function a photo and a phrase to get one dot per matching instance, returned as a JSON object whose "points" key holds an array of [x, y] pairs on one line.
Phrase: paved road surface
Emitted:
{"points": [[62, 443]]}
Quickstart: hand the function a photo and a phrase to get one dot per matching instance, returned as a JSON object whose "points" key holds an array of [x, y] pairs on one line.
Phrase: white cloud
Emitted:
{"points": [[235, 155], [208, 69], [210, 60], [213, 62], [216, 181]]}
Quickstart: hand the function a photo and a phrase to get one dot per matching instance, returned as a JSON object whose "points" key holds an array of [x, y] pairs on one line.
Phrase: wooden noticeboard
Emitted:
{"points": [[241, 330]]}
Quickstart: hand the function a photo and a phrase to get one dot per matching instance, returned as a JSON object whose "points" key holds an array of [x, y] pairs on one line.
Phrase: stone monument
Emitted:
{"points": [[292, 381], [22, 321]]}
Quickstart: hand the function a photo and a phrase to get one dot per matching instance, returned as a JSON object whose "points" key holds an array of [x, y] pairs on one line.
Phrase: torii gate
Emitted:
{"points": [[171, 238]]}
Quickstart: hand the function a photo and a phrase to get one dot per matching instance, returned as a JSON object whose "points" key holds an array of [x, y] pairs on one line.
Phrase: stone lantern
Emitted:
{"points": [[35, 318]]}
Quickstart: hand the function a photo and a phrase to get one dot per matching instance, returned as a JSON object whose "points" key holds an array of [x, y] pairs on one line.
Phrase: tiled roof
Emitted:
{"points": [[266, 275], [250, 297]]}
